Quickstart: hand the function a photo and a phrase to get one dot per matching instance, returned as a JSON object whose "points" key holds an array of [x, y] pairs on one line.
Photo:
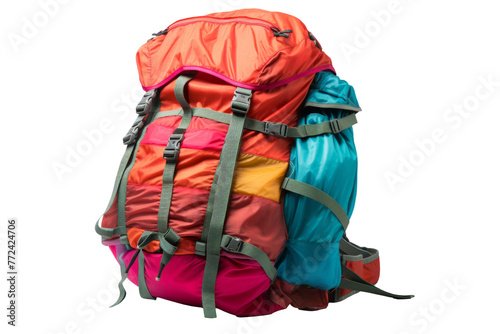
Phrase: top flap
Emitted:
{"points": [[251, 48]]}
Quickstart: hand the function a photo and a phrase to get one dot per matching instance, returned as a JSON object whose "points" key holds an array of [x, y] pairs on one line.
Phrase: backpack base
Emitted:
{"points": [[182, 280]]}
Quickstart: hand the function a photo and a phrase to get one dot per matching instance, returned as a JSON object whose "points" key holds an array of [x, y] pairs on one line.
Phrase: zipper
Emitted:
{"points": [[241, 19]]}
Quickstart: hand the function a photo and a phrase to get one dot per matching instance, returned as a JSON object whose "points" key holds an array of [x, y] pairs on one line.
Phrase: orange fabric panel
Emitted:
{"points": [[254, 175], [134, 234], [196, 169], [266, 58], [280, 105], [184, 247], [204, 91], [148, 167]]}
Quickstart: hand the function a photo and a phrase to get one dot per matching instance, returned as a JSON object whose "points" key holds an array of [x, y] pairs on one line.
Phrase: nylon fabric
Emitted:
{"points": [[275, 105], [267, 58], [110, 217], [182, 284], [251, 251], [248, 218], [254, 175], [287, 88], [328, 162], [122, 188], [328, 88]]}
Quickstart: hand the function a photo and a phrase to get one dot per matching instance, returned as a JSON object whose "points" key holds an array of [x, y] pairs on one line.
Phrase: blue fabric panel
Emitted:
{"points": [[328, 162]]}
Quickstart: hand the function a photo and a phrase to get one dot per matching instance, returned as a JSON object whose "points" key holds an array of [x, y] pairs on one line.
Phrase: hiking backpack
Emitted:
{"points": [[239, 174]]}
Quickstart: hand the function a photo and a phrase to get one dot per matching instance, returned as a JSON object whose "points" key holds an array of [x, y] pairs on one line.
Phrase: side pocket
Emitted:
{"points": [[366, 266]]}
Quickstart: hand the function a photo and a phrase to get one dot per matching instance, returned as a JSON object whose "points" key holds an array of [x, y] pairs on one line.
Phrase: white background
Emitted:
{"points": [[436, 227]]}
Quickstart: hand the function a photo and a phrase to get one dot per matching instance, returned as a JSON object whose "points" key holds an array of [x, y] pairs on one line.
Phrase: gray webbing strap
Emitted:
{"points": [[318, 195], [352, 281], [275, 129], [143, 108], [144, 240], [332, 106], [152, 109], [349, 248], [238, 246], [121, 169], [107, 233], [168, 245], [220, 197], [146, 109], [123, 270], [334, 126], [171, 154]]}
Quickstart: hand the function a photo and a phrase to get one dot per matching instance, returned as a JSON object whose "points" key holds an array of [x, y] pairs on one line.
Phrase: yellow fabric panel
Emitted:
{"points": [[259, 176]]}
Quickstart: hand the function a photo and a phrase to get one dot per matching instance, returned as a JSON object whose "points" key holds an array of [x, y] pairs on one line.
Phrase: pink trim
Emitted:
{"points": [[241, 84]]}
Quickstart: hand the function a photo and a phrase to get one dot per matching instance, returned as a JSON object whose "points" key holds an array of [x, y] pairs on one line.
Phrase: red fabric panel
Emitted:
{"points": [[256, 220], [299, 296], [109, 219]]}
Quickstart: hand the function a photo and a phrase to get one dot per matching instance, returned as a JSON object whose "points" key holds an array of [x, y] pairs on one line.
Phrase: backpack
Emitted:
{"points": [[239, 175]]}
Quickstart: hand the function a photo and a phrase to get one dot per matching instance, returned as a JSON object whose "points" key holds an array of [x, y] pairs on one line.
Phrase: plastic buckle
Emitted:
{"points": [[171, 237], [124, 240], [171, 152], [276, 129], [161, 32], [234, 245], [335, 126], [133, 133], [200, 248], [241, 100], [146, 103]]}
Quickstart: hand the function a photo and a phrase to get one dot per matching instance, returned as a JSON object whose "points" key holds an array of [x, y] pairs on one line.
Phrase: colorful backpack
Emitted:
{"points": [[239, 176]]}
